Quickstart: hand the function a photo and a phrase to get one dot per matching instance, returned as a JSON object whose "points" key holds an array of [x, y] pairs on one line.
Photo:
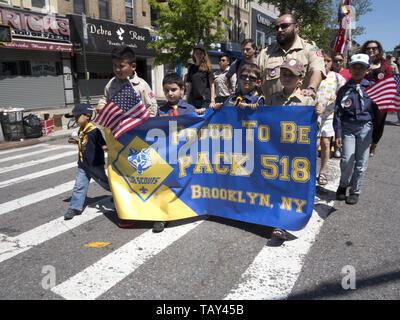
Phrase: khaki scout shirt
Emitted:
{"points": [[141, 87], [295, 99], [270, 59]]}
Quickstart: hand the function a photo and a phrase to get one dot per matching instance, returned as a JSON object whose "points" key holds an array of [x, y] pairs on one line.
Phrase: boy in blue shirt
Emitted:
{"points": [[354, 112], [249, 94], [91, 146], [174, 90]]}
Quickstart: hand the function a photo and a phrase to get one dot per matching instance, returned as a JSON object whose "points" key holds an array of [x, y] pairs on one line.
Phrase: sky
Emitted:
{"points": [[382, 24]]}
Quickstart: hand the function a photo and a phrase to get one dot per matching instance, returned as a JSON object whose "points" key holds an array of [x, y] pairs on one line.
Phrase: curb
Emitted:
{"points": [[31, 142]]}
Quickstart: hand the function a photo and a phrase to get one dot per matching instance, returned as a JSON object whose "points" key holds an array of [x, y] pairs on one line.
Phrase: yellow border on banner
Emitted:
{"points": [[163, 205]]}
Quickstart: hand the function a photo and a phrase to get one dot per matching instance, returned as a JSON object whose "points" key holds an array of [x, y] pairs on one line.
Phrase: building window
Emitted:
{"points": [[130, 11], [5, 1], [79, 6], [230, 29], [103, 9], [246, 4], [260, 41], [42, 5]]}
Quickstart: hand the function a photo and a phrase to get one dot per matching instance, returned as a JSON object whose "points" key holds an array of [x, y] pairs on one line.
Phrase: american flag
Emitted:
{"points": [[123, 112], [386, 93]]}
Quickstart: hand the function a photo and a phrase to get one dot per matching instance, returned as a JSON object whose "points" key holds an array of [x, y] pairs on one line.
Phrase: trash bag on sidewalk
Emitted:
{"points": [[32, 126]]}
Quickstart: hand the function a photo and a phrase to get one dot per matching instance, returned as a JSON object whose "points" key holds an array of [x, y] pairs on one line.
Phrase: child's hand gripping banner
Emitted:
{"points": [[253, 166]]}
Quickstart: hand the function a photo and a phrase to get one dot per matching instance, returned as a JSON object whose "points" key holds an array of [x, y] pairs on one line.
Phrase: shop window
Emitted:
{"points": [[9, 68], [130, 11], [79, 6], [25, 68], [103, 9]]}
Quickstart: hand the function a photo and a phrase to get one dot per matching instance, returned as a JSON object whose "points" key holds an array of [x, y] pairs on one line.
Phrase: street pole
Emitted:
{"points": [[85, 40]]}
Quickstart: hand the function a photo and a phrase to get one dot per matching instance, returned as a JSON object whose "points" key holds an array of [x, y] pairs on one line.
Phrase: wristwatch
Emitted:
{"points": [[312, 89]]}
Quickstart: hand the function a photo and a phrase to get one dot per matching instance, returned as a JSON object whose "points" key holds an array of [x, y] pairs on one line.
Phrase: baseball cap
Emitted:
{"points": [[80, 108], [361, 58], [200, 46], [293, 65]]}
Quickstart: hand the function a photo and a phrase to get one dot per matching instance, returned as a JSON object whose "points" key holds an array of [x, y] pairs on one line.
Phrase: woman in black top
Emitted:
{"points": [[378, 70], [200, 81]]}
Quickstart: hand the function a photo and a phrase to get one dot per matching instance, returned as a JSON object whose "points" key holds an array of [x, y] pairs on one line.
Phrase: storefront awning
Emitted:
{"points": [[104, 36], [25, 44]]}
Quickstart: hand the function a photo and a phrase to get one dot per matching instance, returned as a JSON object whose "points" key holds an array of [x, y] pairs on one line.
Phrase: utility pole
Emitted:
{"points": [[84, 42]]}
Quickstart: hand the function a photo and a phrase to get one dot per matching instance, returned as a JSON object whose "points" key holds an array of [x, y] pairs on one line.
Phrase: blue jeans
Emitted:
{"points": [[356, 139], [81, 186]]}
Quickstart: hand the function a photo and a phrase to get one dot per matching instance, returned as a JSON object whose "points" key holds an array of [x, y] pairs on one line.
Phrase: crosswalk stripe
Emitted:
{"points": [[3, 152], [38, 174], [12, 246], [96, 279], [39, 161], [35, 197], [274, 271], [29, 154]]}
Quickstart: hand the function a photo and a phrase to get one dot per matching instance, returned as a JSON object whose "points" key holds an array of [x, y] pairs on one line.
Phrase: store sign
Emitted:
{"points": [[263, 20], [104, 36], [26, 24], [38, 45]]}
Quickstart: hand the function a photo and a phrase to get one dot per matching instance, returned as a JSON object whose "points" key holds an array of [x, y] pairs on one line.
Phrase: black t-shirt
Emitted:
{"points": [[201, 83]]}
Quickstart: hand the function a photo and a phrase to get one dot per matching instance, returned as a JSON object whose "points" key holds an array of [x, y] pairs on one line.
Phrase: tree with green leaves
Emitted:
{"points": [[184, 23], [318, 18]]}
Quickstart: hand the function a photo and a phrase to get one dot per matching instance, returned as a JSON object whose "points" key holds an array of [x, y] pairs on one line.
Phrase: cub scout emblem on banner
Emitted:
{"points": [[142, 168], [253, 166]]}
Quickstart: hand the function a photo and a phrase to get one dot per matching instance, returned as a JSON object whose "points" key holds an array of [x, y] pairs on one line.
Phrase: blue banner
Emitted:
{"points": [[253, 166]]}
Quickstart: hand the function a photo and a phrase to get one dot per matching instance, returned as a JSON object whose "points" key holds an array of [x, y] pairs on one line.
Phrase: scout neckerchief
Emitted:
{"points": [[239, 99], [174, 112], [347, 102], [83, 139]]}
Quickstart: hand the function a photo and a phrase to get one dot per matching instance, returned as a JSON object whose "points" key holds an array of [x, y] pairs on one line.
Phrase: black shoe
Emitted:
{"points": [[352, 199], [341, 193], [71, 213], [158, 226]]}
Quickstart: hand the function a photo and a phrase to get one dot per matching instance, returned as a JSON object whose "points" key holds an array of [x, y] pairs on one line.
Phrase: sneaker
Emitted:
{"points": [[341, 193], [337, 153], [71, 213], [158, 226], [352, 199]]}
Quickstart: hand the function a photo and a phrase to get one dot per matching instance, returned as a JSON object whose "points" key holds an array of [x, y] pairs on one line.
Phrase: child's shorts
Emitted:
{"points": [[326, 129]]}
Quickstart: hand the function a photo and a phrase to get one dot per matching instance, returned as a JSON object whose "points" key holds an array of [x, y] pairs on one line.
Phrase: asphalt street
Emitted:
{"points": [[44, 257]]}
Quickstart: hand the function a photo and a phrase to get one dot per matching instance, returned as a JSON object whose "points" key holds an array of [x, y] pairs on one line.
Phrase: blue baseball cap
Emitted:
{"points": [[80, 108]]}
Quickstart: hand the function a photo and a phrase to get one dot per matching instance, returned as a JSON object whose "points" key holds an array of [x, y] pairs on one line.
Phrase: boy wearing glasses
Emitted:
{"points": [[249, 94], [291, 78]]}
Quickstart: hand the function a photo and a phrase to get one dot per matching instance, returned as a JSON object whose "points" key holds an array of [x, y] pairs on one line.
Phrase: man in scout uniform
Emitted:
{"points": [[290, 45], [291, 77], [124, 66]]}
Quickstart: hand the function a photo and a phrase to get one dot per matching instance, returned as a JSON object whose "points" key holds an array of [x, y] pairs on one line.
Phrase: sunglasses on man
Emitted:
{"points": [[283, 26]]}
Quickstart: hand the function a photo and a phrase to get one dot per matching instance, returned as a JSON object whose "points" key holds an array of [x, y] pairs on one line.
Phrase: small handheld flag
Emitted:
{"points": [[123, 112]]}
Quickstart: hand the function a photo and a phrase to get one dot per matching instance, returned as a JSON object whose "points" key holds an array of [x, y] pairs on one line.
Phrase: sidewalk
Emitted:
{"points": [[59, 134]]}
